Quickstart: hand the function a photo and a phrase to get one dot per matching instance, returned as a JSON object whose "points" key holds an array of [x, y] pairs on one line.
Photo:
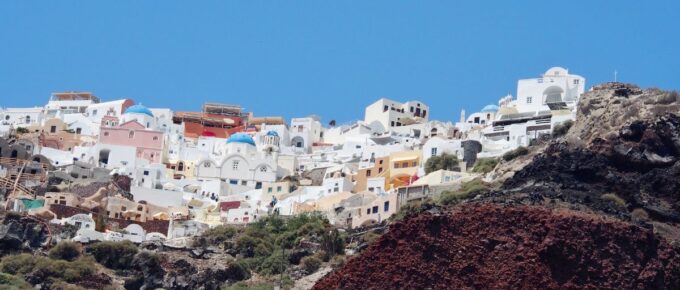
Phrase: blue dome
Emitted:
{"points": [[490, 108], [241, 138], [139, 109], [273, 133]]}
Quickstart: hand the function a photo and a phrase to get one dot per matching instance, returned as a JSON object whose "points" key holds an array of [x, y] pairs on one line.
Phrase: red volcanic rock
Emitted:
{"points": [[486, 246]]}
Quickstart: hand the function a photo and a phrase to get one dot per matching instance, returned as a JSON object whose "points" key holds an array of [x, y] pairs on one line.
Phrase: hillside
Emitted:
{"points": [[597, 208]]}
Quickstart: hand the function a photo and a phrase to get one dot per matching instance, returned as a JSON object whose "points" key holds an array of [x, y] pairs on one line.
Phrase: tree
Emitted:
{"points": [[444, 161]]}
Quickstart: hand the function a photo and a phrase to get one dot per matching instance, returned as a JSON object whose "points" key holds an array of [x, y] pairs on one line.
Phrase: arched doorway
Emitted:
{"points": [[553, 95], [298, 142], [14, 154]]}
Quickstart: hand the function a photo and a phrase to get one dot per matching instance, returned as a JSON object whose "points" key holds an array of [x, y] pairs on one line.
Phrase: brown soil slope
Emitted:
{"points": [[486, 246]]}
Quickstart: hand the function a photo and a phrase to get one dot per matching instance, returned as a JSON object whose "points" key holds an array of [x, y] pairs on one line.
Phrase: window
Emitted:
{"points": [[380, 162], [94, 112], [234, 165], [263, 169], [380, 170], [404, 165], [53, 129], [576, 82], [269, 190], [79, 131], [398, 124], [529, 100], [392, 124], [411, 110], [233, 181], [414, 164], [7, 117], [140, 208], [206, 165], [155, 138], [146, 173], [433, 151], [386, 206], [424, 113], [278, 189], [131, 134], [368, 172], [370, 189], [385, 108], [375, 209], [396, 164], [258, 185]]}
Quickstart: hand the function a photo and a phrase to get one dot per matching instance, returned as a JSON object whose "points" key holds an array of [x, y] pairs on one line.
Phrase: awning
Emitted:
{"points": [[408, 158]]}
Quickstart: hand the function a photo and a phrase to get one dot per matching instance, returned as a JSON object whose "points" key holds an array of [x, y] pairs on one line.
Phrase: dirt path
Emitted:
{"points": [[308, 282]]}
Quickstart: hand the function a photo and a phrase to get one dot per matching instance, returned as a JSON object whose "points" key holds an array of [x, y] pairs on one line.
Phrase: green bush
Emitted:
{"points": [[484, 165], [467, 190], [444, 161], [311, 264], [216, 236], [519, 151], [337, 261], [114, 255], [614, 199], [22, 130], [42, 269], [65, 250], [561, 129], [411, 209], [274, 264], [10, 282], [639, 215]]}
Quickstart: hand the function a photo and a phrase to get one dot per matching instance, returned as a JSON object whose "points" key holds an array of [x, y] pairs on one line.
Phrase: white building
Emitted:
{"points": [[240, 163], [385, 114], [304, 132]]}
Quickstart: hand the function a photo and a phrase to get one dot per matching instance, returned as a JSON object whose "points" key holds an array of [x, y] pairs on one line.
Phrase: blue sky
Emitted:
{"points": [[331, 58]]}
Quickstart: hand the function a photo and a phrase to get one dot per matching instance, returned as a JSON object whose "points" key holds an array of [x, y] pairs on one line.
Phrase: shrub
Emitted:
{"points": [[561, 129], [444, 161], [412, 209], [22, 130], [333, 243], [639, 215], [11, 282], [238, 272], [370, 237], [65, 250], [311, 264], [38, 269], [467, 190], [218, 235], [512, 154], [484, 165], [274, 264], [337, 261], [614, 199], [114, 255]]}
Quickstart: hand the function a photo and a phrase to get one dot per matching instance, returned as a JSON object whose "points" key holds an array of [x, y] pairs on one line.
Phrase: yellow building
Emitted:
{"points": [[403, 166]]}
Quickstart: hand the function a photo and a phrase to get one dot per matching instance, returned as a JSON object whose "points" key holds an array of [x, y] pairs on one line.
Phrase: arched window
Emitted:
{"points": [[131, 134], [180, 166]]}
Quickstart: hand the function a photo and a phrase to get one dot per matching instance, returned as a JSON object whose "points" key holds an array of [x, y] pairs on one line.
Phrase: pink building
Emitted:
{"points": [[148, 143]]}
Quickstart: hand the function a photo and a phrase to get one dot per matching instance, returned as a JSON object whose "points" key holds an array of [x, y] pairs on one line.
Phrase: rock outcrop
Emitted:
{"points": [[486, 246]]}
